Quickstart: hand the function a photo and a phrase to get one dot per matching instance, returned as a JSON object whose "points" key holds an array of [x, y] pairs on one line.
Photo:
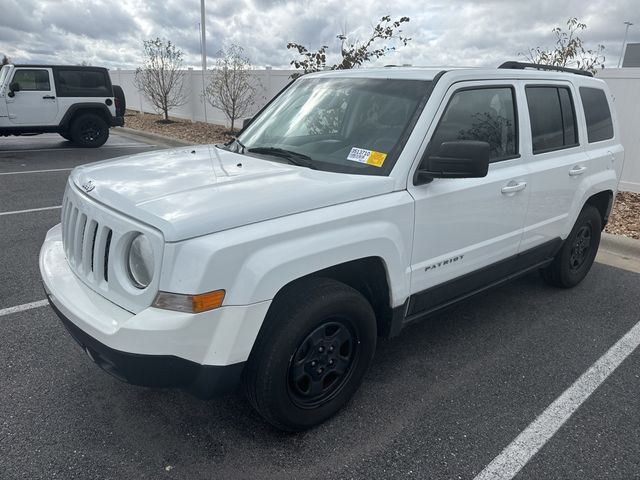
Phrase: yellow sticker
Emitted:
{"points": [[369, 157], [376, 159]]}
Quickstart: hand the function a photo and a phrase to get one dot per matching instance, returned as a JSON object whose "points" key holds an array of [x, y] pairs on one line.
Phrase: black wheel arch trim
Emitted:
{"points": [[88, 107]]}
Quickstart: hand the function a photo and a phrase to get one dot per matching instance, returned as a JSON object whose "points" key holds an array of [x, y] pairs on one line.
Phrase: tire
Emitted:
{"points": [[89, 130], [572, 263], [120, 100], [66, 136], [312, 352]]}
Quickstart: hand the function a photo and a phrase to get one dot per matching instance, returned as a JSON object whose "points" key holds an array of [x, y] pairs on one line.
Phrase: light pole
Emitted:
{"points": [[624, 42], [203, 52]]}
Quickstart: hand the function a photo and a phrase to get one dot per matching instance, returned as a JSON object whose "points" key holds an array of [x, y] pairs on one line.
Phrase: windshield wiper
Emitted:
{"points": [[294, 158], [238, 142]]}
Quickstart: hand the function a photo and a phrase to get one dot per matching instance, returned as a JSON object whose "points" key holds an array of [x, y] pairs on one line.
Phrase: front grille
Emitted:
{"points": [[86, 242]]}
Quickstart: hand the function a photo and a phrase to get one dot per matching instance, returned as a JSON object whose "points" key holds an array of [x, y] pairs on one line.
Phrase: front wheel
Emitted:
{"points": [[311, 355], [572, 263], [89, 130]]}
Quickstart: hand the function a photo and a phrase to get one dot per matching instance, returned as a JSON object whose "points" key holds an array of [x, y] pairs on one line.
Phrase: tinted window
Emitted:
{"points": [[32, 80], [552, 116], [486, 115], [83, 83], [597, 114]]}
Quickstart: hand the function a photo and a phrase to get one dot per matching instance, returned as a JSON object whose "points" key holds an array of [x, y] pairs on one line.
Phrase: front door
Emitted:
{"points": [[467, 231], [35, 103]]}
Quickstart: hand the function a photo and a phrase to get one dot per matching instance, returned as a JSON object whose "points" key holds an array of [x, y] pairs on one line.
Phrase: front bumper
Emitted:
{"points": [[201, 353], [159, 371]]}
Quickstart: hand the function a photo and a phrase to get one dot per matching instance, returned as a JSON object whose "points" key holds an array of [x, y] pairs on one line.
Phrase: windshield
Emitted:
{"points": [[347, 125], [4, 71]]}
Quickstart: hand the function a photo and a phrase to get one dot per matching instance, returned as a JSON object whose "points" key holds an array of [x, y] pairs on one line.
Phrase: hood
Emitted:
{"points": [[193, 191]]}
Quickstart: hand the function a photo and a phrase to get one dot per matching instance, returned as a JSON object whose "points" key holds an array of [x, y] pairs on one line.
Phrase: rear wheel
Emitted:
{"points": [[311, 355], [89, 130], [572, 263]]}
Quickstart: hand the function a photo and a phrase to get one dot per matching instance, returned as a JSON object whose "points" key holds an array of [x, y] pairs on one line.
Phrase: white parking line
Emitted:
{"points": [[38, 171], [63, 149], [507, 465], [23, 307], [15, 212]]}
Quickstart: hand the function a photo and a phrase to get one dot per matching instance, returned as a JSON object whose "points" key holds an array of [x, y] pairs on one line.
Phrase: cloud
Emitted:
{"points": [[453, 32]]}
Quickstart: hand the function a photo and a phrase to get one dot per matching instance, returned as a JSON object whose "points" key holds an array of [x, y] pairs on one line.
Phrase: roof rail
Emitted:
{"points": [[537, 66]]}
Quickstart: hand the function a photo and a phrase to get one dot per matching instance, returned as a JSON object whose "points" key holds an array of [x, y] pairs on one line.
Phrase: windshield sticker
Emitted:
{"points": [[369, 157]]}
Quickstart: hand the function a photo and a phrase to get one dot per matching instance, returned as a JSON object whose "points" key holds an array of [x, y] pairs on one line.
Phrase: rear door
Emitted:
{"points": [[35, 103], [553, 144], [467, 231]]}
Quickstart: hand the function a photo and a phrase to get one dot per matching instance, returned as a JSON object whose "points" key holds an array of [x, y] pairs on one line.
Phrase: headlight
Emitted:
{"points": [[140, 261]]}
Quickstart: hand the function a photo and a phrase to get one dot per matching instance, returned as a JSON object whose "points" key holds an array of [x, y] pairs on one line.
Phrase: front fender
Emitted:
{"points": [[252, 263]]}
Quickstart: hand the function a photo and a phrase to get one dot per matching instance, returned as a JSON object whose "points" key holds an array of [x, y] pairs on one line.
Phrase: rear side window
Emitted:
{"points": [[34, 80], [83, 83], [483, 114], [553, 118], [597, 114]]}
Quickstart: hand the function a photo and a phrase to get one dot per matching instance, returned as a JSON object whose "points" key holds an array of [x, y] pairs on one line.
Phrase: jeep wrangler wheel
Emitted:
{"points": [[311, 354], [572, 263], [89, 130]]}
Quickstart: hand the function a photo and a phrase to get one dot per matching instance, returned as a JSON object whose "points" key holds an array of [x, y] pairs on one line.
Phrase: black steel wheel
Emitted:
{"points": [[322, 363], [311, 354], [574, 259], [89, 130]]}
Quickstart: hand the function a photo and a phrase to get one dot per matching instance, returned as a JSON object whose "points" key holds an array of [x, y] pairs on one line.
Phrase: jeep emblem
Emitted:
{"points": [[87, 187]]}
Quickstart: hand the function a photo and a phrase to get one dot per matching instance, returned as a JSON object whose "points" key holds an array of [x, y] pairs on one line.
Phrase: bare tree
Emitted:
{"points": [[232, 88], [569, 50], [161, 78], [5, 60], [354, 53]]}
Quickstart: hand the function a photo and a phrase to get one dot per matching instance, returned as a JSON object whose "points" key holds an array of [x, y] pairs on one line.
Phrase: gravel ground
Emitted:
{"points": [[196, 132], [625, 219]]}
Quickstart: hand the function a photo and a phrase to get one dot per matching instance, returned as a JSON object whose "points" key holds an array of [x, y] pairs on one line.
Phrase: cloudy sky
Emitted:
{"points": [[453, 32]]}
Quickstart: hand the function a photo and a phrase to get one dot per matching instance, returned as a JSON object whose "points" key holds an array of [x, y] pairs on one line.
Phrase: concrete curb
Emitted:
{"points": [[154, 137], [620, 245]]}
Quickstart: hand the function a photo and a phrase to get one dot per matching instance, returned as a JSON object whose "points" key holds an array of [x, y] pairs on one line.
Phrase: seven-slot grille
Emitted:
{"points": [[86, 243]]}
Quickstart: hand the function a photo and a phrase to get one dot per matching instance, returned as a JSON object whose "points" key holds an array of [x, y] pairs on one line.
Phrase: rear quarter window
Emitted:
{"points": [[552, 116], [83, 83], [597, 114]]}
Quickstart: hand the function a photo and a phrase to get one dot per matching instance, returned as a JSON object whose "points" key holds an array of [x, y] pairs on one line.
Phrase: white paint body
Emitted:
{"points": [[38, 108], [252, 229]]}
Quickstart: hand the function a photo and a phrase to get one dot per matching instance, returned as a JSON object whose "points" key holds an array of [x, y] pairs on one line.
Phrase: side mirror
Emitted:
{"points": [[14, 87], [457, 159], [246, 122]]}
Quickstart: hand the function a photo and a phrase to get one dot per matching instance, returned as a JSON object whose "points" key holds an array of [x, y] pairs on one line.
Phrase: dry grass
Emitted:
{"points": [[625, 218]]}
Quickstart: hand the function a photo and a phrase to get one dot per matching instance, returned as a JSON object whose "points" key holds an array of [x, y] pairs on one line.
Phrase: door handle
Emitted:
{"points": [[577, 170], [513, 187], [48, 97]]}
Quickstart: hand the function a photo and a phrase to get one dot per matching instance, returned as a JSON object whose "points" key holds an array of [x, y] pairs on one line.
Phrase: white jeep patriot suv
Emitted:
{"points": [[353, 204], [77, 102]]}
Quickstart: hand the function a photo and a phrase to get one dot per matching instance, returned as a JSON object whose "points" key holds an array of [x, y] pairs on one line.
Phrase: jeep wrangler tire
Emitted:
{"points": [[572, 263], [311, 354], [89, 130]]}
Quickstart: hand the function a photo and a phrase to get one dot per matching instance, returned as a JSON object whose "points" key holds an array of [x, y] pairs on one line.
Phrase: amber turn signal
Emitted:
{"points": [[178, 302]]}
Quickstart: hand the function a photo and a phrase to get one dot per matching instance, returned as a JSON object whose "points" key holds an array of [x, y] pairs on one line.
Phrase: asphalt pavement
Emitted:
{"points": [[441, 401]]}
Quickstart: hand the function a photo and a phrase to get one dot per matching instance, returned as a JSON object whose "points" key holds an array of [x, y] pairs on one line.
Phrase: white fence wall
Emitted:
{"points": [[625, 86], [270, 81], [624, 83]]}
